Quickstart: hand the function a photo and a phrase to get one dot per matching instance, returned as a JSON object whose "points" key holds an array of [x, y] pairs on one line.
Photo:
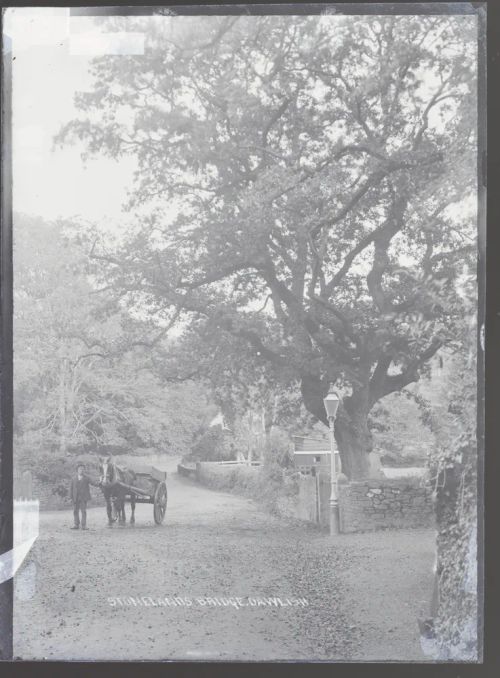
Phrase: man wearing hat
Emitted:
{"points": [[80, 495]]}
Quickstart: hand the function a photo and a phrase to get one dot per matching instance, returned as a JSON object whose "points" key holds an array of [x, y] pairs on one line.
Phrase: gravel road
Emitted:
{"points": [[208, 582]]}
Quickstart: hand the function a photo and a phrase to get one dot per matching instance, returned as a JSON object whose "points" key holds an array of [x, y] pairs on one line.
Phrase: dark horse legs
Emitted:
{"points": [[132, 509], [117, 501], [114, 482], [120, 503], [109, 505], [121, 509]]}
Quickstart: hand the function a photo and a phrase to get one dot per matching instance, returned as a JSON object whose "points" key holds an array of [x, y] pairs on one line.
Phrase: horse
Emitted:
{"points": [[114, 493]]}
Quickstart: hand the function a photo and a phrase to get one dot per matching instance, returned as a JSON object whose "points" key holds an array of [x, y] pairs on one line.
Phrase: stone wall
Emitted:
{"points": [[385, 504], [364, 506]]}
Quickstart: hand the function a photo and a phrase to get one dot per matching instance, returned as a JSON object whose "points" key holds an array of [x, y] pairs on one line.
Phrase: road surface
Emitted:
{"points": [[221, 579]]}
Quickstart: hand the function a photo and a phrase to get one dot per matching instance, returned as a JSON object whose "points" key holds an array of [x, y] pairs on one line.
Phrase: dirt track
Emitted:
{"points": [[364, 592]]}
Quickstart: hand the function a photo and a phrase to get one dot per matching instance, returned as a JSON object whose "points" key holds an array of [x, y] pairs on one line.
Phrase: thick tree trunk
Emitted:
{"points": [[352, 435], [353, 438]]}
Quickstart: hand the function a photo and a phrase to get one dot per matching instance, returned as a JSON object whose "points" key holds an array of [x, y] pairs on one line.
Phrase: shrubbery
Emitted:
{"points": [[213, 445], [395, 460], [456, 620], [255, 482], [264, 484], [455, 472], [56, 471]]}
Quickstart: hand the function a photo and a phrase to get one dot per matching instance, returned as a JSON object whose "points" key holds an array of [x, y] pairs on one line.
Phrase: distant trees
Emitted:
{"points": [[309, 185], [84, 377], [401, 431]]}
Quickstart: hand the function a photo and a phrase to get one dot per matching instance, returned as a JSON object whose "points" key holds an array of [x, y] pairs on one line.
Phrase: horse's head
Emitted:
{"points": [[107, 471]]}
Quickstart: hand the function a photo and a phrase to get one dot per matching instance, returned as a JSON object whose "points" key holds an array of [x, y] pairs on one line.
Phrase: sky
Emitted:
{"points": [[51, 56]]}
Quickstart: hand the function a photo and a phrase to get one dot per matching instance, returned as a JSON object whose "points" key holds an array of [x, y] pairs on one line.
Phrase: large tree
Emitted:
{"points": [[304, 186], [85, 371]]}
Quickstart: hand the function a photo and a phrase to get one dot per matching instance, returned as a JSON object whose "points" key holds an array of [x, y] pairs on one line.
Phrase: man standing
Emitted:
{"points": [[80, 495]]}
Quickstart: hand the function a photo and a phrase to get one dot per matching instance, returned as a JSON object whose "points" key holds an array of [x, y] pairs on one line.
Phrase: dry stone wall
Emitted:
{"points": [[381, 504]]}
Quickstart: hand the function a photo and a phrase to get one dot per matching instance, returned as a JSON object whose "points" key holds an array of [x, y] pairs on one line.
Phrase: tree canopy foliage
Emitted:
{"points": [[303, 192], [84, 375]]}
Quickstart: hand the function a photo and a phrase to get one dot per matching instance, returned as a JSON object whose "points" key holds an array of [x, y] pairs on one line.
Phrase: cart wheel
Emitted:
{"points": [[160, 503]]}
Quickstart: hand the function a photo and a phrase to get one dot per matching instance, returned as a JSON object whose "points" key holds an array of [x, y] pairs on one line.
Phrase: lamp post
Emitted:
{"points": [[331, 404]]}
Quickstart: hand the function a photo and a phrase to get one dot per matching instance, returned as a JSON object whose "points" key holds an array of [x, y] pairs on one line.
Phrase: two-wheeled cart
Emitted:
{"points": [[149, 487]]}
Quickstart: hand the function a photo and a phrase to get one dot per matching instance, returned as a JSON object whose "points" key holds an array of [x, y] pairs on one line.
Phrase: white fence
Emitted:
{"points": [[26, 524], [237, 462], [26, 520]]}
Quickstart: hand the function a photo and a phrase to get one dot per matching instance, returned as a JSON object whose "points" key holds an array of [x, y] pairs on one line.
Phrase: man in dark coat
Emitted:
{"points": [[80, 495]]}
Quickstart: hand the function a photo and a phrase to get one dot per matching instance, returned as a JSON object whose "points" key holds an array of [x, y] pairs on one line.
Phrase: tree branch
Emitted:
{"points": [[255, 341], [379, 375], [348, 328], [382, 241], [216, 275], [396, 382], [435, 99]]}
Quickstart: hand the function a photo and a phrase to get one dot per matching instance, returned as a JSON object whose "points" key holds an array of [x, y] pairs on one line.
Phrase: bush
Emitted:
{"points": [[456, 510], [241, 479], [454, 468], [393, 459], [56, 471], [213, 445], [281, 453], [264, 484], [61, 491], [59, 470]]}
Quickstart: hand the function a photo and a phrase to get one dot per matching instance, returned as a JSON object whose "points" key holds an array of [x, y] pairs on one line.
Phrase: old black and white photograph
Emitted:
{"points": [[246, 333]]}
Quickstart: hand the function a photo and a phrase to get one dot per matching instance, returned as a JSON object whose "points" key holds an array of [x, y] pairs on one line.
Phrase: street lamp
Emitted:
{"points": [[331, 404]]}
